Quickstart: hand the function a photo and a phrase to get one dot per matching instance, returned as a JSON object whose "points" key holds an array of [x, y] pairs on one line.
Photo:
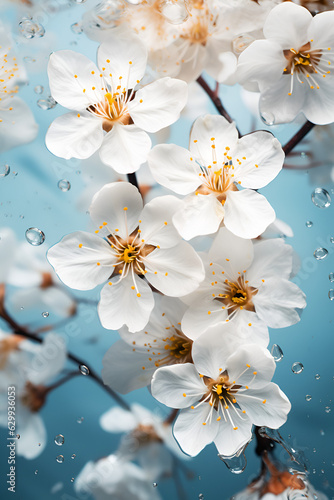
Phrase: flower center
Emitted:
{"points": [[237, 295], [113, 109], [179, 346], [34, 396], [130, 253]]}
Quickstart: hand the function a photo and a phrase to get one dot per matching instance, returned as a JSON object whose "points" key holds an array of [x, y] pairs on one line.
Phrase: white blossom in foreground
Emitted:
{"points": [[292, 65], [221, 395], [248, 283], [113, 477], [110, 113], [136, 243], [130, 363], [17, 123], [210, 174]]}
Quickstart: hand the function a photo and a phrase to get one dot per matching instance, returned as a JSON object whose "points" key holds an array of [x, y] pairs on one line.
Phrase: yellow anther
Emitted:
{"points": [[138, 295], [219, 389], [254, 373], [235, 428], [184, 394], [218, 419], [80, 245], [264, 401], [98, 263], [248, 366], [132, 288]]}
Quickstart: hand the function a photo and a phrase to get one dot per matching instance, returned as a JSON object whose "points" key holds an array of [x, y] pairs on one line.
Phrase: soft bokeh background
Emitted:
{"points": [[30, 197]]}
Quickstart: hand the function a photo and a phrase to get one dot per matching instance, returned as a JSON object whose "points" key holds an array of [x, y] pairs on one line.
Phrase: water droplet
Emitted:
{"points": [[155, 485], [331, 294], [327, 409], [79, 1], [308, 397], [331, 277], [60, 459], [35, 236], [84, 369], [235, 464], [321, 198], [241, 42], [174, 12], [64, 185], [322, 432], [77, 28], [36, 471], [73, 456], [45, 314], [320, 253], [59, 440], [201, 496], [297, 367], [30, 28], [18, 436], [277, 353], [46, 104], [331, 239], [39, 444], [4, 170], [80, 420], [28, 59], [314, 450], [317, 376], [72, 479], [268, 118], [308, 223], [39, 89]]}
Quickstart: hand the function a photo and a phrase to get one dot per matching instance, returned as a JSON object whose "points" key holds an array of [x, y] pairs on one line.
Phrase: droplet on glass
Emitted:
{"points": [[320, 253], [322, 432], [45, 314], [201, 496], [268, 118], [84, 369], [77, 28], [321, 198], [59, 440], [18, 436], [297, 367], [174, 11], [331, 239], [79, 1], [39, 89], [60, 459], [4, 170], [155, 485], [327, 409], [36, 472], [331, 294], [235, 464], [30, 28], [241, 42], [80, 420], [35, 236], [72, 479], [317, 376], [308, 223], [28, 59], [64, 185], [73, 456], [46, 104], [308, 397], [331, 277], [277, 353]]}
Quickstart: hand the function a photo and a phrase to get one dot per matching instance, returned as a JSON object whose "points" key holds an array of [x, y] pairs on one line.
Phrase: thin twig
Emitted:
{"points": [[132, 178], [298, 137]]}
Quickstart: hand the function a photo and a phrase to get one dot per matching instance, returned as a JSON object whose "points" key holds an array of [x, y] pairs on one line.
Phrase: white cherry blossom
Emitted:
{"points": [[221, 395], [136, 243], [110, 113], [210, 174], [292, 65]]}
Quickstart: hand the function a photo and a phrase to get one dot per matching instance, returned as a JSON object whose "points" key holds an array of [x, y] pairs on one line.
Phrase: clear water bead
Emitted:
{"points": [[80, 420], [45, 314], [77, 28], [60, 459], [308, 397], [64, 185], [308, 223], [317, 376], [72, 479], [30, 28], [321, 198], [59, 440], [4, 170], [277, 353], [84, 369], [297, 367], [331, 294], [327, 409], [331, 277], [39, 89], [268, 118], [320, 253], [331, 239], [73, 456], [18, 436], [46, 104], [36, 472], [35, 236], [175, 12], [155, 485], [235, 464]]}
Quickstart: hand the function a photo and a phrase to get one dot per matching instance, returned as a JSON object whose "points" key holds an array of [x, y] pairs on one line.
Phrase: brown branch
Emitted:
{"points": [[298, 137]]}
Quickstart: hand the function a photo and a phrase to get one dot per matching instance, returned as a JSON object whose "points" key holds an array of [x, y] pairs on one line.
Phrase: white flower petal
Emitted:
{"points": [[319, 107], [73, 136], [199, 215], [189, 423], [178, 386], [271, 257], [212, 126], [172, 167], [264, 159], [156, 226], [47, 299], [259, 360], [124, 58], [276, 301], [263, 61], [32, 432], [76, 265], [249, 328], [117, 420], [247, 213], [321, 30], [108, 206], [158, 104], [197, 319], [49, 361], [287, 25], [72, 77], [125, 148], [17, 125], [267, 406], [234, 254], [8, 244], [179, 269], [120, 305], [229, 440]]}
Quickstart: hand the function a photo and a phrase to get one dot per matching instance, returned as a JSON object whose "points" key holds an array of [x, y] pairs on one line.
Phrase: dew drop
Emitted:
{"points": [[320, 253], [327, 409], [46, 104], [308, 223], [268, 118], [60, 459], [236, 464], [76, 28], [79, 1], [308, 397], [64, 185], [39, 444], [4, 170], [201, 496], [36, 472], [35, 236], [297, 367], [174, 12], [80, 420], [322, 432], [84, 369], [28, 59], [45, 314], [155, 485], [73, 456], [30, 28], [277, 353], [39, 89], [321, 198], [59, 440], [331, 277], [331, 239], [317, 376], [18, 436], [331, 294], [72, 479]]}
